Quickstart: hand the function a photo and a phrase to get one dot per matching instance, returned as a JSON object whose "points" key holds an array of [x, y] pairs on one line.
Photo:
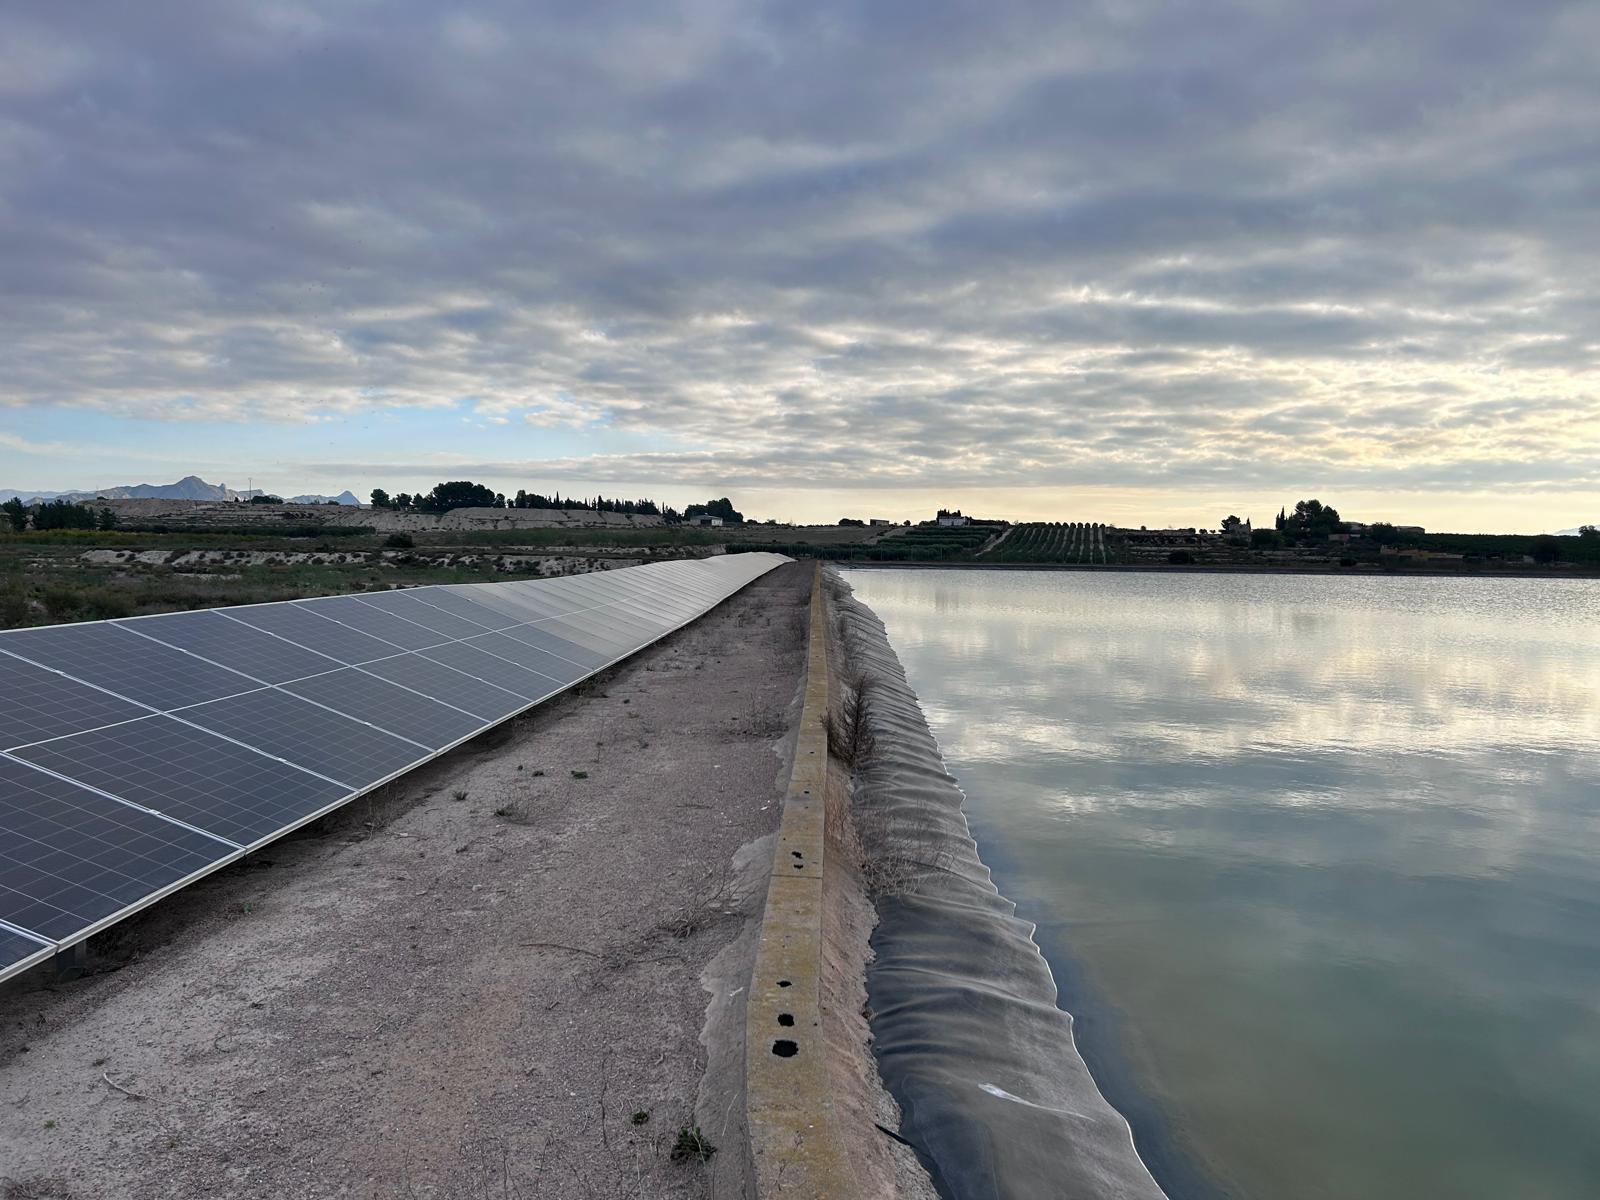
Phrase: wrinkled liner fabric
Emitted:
{"points": [[996, 1099]]}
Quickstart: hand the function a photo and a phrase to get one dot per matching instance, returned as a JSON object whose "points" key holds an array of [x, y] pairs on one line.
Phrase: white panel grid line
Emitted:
{"points": [[304, 607], [484, 650], [157, 671], [69, 882], [416, 595], [222, 612], [339, 667], [257, 749], [414, 691], [173, 713], [99, 791], [573, 612], [511, 632], [148, 710], [281, 687]]}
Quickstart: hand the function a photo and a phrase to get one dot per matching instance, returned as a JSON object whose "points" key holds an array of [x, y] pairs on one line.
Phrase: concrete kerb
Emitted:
{"points": [[795, 1143]]}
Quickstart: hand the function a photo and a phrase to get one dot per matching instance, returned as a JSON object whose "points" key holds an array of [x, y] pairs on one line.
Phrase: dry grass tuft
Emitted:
{"points": [[850, 735]]}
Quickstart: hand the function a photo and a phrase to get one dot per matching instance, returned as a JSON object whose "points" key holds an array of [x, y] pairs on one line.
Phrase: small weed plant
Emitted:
{"points": [[692, 1146]]}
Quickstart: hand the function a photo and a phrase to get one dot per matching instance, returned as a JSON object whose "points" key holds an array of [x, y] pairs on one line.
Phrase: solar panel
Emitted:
{"points": [[482, 665], [197, 777], [524, 655], [242, 648], [582, 630], [581, 592], [444, 600], [296, 624], [374, 621], [309, 736], [553, 644], [449, 686], [18, 950], [143, 752], [522, 602], [40, 704], [662, 608], [390, 707], [131, 666], [71, 858], [445, 626], [510, 606]]}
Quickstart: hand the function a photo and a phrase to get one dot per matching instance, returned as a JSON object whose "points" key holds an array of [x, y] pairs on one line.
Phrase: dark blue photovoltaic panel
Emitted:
{"points": [[14, 947], [521, 602], [607, 643], [453, 602], [36, 704], [529, 684], [528, 656], [295, 624], [70, 858], [358, 614], [190, 774], [448, 685], [387, 706], [544, 639], [126, 664], [288, 727], [211, 635], [406, 604]]}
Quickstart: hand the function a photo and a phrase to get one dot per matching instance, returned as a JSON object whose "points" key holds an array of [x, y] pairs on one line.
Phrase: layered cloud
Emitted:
{"points": [[1128, 244]]}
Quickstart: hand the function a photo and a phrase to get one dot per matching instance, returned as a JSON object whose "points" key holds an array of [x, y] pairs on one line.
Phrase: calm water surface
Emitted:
{"points": [[1316, 860]]}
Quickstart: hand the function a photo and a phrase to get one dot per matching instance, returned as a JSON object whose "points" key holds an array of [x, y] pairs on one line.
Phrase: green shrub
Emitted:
{"points": [[103, 604], [60, 602], [14, 608]]}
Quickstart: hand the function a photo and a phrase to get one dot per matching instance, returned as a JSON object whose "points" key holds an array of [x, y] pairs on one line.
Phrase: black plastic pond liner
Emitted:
{"points": [[995, 1098]]}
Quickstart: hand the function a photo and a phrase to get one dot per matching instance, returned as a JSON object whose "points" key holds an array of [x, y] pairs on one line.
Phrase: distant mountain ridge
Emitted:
{"points": [[190, 487], [344, 497]]}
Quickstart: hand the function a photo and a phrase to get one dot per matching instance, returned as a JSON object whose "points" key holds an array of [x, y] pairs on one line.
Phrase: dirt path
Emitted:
{"points": [[486, 984]]}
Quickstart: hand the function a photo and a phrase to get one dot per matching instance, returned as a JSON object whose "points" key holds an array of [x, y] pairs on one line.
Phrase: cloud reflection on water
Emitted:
{"points": [[1317, 851]]}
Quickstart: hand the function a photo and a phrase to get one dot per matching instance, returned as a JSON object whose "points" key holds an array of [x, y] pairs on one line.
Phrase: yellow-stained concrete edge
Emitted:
{"points": [[795, 1143]]}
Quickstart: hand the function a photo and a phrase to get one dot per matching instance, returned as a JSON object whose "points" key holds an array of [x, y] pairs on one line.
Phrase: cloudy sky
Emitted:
{"points": [[1115, 261]]}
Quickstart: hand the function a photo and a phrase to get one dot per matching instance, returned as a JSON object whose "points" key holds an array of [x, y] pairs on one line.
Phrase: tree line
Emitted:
{"points": [[1311, 521], [463, 493], [56, 514]]}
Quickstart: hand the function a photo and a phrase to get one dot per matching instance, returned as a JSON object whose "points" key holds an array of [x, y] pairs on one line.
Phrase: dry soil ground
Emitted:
{"points": [[491, 982]]}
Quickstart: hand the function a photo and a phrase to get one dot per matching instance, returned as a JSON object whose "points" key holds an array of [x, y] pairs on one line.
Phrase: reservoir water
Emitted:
{"points": [[1315, 860]]}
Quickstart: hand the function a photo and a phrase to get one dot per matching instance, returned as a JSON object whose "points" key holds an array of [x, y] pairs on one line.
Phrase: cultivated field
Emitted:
{"points": [[1052, 542]]}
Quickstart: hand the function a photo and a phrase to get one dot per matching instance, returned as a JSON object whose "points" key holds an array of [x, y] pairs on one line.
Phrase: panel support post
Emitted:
{"points": [[72, 962]]}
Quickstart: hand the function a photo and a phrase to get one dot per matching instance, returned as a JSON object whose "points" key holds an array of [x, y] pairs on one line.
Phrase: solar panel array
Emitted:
{"points": [[141, 754]]}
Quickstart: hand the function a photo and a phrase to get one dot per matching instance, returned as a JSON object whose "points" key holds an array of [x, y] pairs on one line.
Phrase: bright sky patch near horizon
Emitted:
{"points": [[1119, 261]]}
